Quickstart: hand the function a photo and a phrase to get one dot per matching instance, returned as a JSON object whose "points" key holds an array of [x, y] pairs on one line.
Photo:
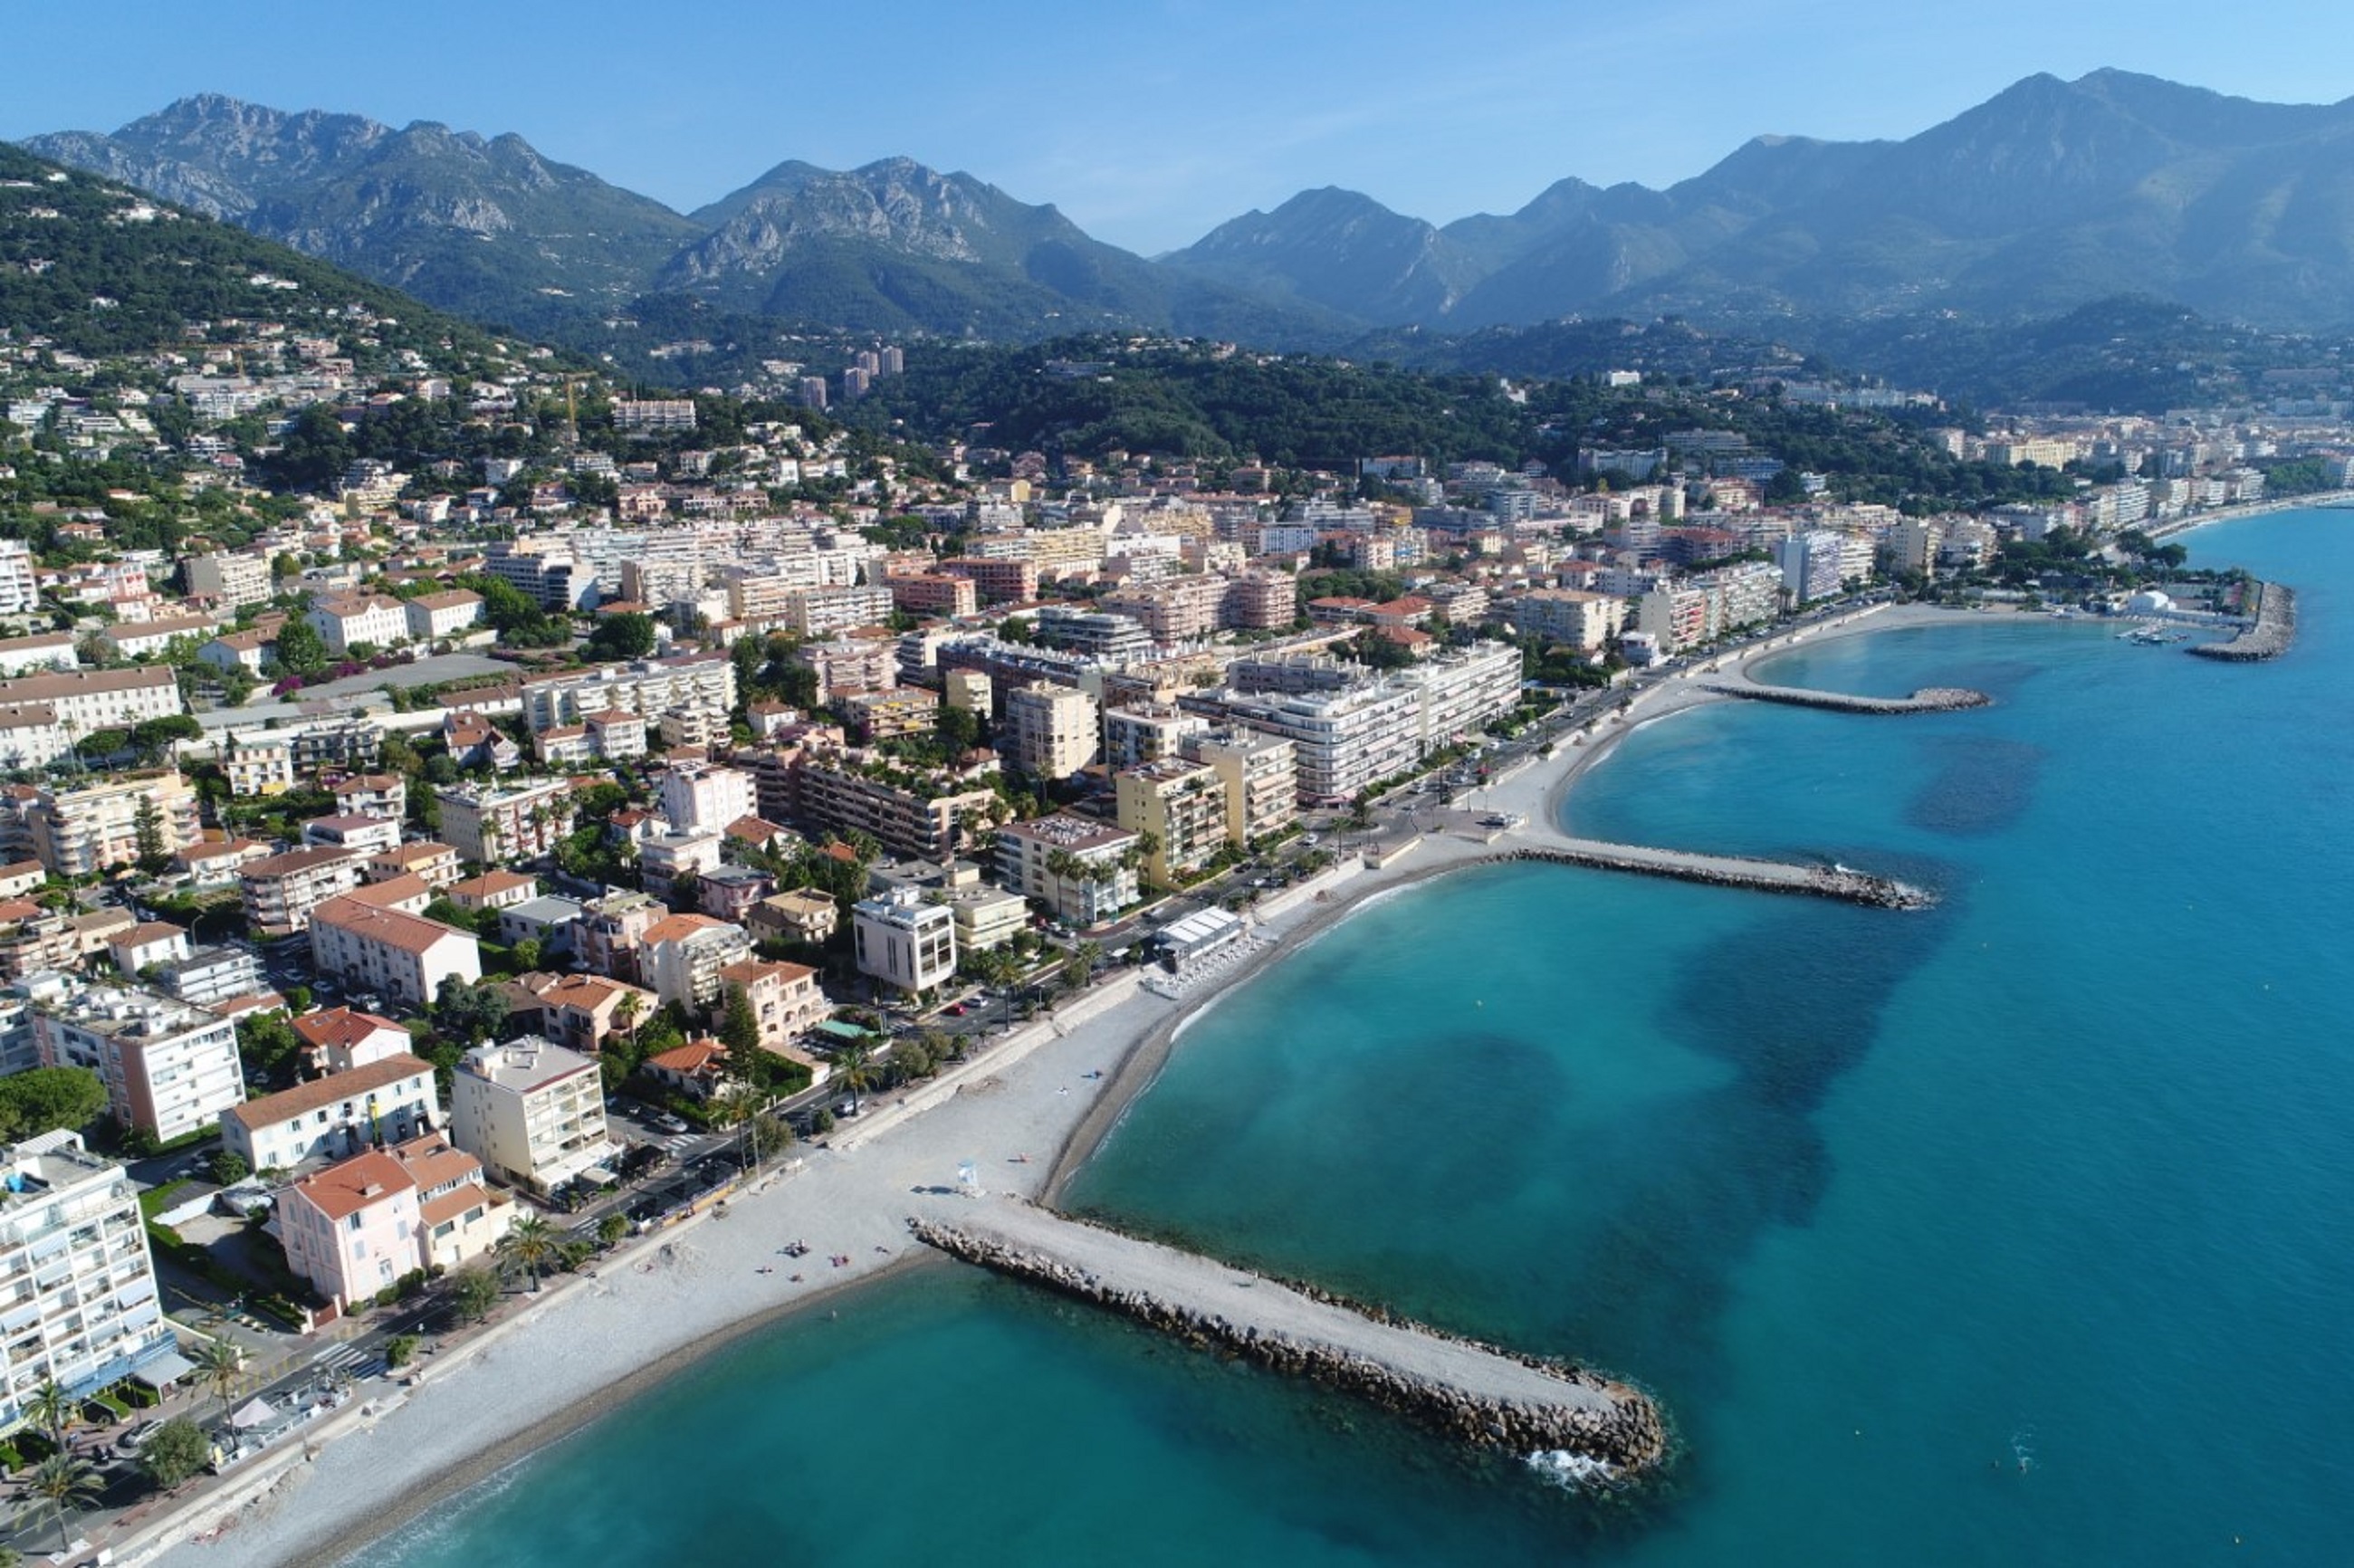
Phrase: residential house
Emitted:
{"points": [[402, 958], [332, 1117], [340, 1038]]}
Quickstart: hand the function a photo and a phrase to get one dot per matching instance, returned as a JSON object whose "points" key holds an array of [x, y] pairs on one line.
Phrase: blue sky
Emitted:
{"points": [[1148, 121]]}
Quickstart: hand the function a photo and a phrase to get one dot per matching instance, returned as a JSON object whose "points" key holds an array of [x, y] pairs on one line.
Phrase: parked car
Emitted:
{"points": [[669, 1122]]}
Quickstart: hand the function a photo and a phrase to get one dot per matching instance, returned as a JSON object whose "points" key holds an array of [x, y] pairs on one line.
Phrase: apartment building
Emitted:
{"points": [[531, 1111], [903, 940], [45, 651], [83, 1308], [1260, 601], [80, 831], [1343, 741], [1462, 690], [1050, 731], [376, 619], [386, 1101], [935, 593], [829, 611], [433, 615], [580, 1012], [1260, 776], [82, 702], [785, 998], [399, 956], [681, 957], [1175, 610], [703, 684], [910, 817], [258, 762], [1146, 732], [1079, 869], [170, 1069], [1182, 806], [352, 1229], [281, 891], [705, 797], [1584, 620], [492, 826]]}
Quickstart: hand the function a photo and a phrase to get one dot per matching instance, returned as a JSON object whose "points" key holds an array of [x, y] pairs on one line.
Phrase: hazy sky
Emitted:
{"points": [[1148, 121]]}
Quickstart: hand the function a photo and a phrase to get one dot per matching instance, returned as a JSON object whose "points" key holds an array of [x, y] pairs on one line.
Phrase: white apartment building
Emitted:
{"points": [[827, 611], [82, 1307], [1343, 741], [1581, 619], [47, 650], [389, 953], [904, 941], [704, 797], [703, 684], [433, 615], [169, 1068], [1182, 805], [1050, 731], [681, 958], [1463, 689], [497, 827], [532, 1112], [258, 761], [388, 1101], [83, 830], [281, 891], [377, 620], [1811, 564], [20, 592], [84, 701], [1095, 883]]}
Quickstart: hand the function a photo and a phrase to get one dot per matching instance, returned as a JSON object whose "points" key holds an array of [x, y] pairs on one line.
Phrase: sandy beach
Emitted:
{"points": [[1024, 1115]]}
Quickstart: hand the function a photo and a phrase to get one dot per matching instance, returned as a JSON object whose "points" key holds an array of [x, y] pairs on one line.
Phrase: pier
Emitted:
{"points": [[1477, 1392], [1928, 700], [2269, 637], [1732, 871]]}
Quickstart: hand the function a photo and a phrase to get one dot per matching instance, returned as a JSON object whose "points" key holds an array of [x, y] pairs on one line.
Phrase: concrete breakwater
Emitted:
{"points": [[2269, 637], [1732, 871], [1471, 1390], [1928, 700]]}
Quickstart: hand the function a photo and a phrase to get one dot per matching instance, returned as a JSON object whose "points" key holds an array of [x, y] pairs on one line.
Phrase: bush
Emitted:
{"points": [[175, 1451], [401, 1350]]}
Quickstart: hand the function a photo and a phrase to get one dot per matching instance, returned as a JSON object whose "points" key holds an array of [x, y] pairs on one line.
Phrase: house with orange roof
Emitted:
{"points": [[681, 958], [342, 1114], [342, 1038], [402, 958], [352, 1229], [785, 1000]]}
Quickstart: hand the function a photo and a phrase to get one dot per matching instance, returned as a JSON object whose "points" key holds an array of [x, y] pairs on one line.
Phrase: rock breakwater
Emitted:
{"points": [[1473, 1391], [1732, 871], [2269, 637], [1928, 700]]}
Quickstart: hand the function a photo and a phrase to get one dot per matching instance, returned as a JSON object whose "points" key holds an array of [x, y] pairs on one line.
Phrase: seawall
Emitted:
{"points": [[2269, 637], [1732, 871], [1473, 1391]]}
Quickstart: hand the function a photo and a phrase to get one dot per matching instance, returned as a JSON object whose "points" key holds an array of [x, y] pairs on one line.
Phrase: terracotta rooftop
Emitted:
{"points": [[343, 1190], [319, 1093], [342, 1026], [409, 933]]}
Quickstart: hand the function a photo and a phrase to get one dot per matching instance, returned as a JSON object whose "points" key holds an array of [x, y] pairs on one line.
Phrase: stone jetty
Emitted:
{"points": [[1471, 1390], [1732, 871], [1928, 700], [2268, 638]]}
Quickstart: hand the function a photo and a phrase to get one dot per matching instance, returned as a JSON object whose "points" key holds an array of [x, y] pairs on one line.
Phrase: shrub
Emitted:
{"points": [[399, 1350]]}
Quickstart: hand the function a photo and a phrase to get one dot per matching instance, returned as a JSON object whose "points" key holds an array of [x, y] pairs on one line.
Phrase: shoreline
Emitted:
{"points": [[594, 1343]]}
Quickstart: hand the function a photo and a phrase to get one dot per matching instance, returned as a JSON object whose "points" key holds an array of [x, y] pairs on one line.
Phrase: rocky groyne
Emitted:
{"points": [[1732, 871], [1928, 700], [2273, 630], [1473, 1391]]}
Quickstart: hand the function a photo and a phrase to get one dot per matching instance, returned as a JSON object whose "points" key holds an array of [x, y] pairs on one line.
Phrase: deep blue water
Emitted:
{"points": [[1876, 1202]]}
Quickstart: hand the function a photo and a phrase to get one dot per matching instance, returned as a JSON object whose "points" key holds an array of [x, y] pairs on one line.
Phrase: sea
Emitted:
{"points": [[2016, 1231]]}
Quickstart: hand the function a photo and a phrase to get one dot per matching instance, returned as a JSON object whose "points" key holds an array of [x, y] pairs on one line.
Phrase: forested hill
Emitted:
{"points": [[1090, 397], [99, 269]]}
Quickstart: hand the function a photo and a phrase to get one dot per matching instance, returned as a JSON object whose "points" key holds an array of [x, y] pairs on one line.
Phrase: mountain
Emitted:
{"points": [[2048, 196], [99, 267], [896, 247], [484, 227]]}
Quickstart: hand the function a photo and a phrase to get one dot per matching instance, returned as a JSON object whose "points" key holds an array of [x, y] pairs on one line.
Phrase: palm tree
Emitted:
{"points": [[625, 1016], [532, 1242], [61, 1481], [53, 1410], [222, 1363], [854, 1070]]}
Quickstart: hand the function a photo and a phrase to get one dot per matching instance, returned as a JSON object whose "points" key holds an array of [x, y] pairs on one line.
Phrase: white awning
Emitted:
{"points": [[164, 1371]]}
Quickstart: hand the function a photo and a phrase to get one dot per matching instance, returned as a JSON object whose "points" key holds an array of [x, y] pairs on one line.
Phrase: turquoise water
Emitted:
{"points": [[1875, 1202]]}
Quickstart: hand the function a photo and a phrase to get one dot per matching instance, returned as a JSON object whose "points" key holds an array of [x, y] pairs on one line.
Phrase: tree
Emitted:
{"points": [[301, 650], [475, 1292], [53, 1410], [611, 1229], [268, 1046], [739, 1030], [220, 1362], [174, 1452], [44, 1099], [533, 1242], [228, 1166], [856, 1071], [147, 832], [149, 737], [467, 1014], [630, 635], [59, 1482]]}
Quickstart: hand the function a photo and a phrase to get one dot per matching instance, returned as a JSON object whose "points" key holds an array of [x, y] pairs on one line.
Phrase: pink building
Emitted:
{"points": [[352, 1229]]}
